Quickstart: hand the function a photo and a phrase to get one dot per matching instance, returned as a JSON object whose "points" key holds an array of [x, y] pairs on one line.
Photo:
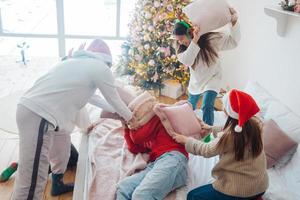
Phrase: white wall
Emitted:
{"points": [[263, 56]]}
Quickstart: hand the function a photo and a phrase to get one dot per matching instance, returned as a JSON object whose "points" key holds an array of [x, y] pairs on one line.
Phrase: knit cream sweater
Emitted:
{"points": [[245, 178]]}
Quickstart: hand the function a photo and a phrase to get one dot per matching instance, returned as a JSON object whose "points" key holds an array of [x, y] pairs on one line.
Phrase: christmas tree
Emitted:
{"points": [[148, 53]]}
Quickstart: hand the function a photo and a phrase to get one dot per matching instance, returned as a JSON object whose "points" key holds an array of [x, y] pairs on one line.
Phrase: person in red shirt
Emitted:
{"points": [[167, 167]]}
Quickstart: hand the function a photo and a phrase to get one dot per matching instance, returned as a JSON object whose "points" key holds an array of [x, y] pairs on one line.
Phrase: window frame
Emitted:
{"points": [[61, 36]]}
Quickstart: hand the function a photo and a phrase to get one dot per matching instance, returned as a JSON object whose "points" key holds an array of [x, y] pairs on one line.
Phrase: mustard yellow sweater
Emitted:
{"points": [[235, 178]]}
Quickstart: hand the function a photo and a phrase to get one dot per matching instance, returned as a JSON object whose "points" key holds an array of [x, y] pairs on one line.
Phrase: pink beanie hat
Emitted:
{"points": [[100, 47]]}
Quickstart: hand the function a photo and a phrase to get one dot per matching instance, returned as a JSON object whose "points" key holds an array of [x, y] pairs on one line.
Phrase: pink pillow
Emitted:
{"points": [[141, 106], [277, 144], [179, 118], [208, 14]]}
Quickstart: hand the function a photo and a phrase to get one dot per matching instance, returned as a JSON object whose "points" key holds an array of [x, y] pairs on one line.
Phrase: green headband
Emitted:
{"points": [[185, 24]]}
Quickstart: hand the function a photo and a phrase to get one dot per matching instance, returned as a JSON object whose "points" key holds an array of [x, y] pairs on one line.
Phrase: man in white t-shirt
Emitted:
{"points": [[47, 112]]}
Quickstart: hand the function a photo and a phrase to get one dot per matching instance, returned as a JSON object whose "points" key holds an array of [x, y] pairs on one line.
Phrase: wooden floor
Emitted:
{"points": [[16, 78], [9, 147]]}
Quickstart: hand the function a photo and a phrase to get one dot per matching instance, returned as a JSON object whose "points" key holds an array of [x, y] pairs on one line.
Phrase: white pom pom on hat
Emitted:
{"points": [[238, 129], [240, 106]]}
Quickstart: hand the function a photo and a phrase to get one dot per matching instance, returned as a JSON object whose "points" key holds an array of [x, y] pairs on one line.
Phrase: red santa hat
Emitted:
{"points": [[100, 47], [241, 106]]}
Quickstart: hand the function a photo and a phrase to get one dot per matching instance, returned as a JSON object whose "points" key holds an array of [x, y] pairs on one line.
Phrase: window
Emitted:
{"points": [[29, 16], [37, 46], [36, 20], [90, 17], [127, 8]]}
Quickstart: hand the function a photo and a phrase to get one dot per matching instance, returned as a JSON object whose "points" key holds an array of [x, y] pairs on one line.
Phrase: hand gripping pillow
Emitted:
{"points": [[179, 118], [142, 107], [126, 96], [208, 14]]}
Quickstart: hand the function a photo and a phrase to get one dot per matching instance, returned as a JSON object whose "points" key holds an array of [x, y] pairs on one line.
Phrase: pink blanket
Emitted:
{"points": [[111, 161]]}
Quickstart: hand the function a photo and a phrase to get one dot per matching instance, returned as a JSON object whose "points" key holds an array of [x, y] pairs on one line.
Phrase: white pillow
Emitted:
{"points": [[260, 95], [208, 14], [285, 118], [273, 109]]}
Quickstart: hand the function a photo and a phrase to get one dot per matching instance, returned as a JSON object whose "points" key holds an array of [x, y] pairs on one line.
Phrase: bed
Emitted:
{"points": [[199, 167], [284, 182]]}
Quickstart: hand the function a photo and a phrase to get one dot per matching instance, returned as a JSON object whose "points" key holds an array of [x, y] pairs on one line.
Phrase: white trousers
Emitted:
{"points": [[39, 146]]}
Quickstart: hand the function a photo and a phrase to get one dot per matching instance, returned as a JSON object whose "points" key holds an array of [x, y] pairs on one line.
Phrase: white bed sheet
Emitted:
{"points": [[284, 183], [199, 167]]}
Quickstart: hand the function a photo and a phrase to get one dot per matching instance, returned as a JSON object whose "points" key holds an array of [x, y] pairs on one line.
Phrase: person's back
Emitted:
{"points": [[71, 83], [243, 178], [63, 91]]}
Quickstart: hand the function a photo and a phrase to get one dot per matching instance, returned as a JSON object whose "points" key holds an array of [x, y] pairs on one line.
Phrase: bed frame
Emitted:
{"points": [[81, 183]]}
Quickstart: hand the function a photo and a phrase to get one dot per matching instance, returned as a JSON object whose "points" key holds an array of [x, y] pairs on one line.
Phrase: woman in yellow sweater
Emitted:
{"points": [[241, 171]]}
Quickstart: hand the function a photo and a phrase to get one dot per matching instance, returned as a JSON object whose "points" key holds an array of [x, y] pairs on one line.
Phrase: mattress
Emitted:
{"points": [[284, 183], [199, 167]]}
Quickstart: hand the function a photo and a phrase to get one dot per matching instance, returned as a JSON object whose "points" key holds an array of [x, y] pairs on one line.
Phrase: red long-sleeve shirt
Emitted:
{"points": [[152, 138]]}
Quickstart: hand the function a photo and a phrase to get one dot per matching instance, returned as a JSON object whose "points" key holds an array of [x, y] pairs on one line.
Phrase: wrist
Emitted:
{"points": [[195, 40]]}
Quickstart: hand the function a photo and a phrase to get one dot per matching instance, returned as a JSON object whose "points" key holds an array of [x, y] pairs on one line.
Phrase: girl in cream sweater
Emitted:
{"points": [[200, 53], [241, 171]]}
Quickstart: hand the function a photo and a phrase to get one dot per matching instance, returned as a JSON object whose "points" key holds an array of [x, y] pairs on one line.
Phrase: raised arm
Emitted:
{"points": [[229, 41], [104, 80], [189, 55]]}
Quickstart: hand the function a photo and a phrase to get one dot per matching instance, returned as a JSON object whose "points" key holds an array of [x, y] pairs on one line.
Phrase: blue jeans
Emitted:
{"points": [[160, 177], [207, 107], [207, 192]]}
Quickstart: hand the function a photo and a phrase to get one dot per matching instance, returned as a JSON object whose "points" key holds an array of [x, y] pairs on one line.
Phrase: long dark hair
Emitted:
{"points": [[208, 53], [249, 139]]}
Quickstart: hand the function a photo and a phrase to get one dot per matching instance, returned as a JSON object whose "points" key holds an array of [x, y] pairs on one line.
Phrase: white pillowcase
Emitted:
{"points": [[273, 109], [260, 95], [208, 14], [285, 176], [285, 118]]}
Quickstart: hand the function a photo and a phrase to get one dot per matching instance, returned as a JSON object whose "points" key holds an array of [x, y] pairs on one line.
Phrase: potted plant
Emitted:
{"points": [[288, 5]]}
